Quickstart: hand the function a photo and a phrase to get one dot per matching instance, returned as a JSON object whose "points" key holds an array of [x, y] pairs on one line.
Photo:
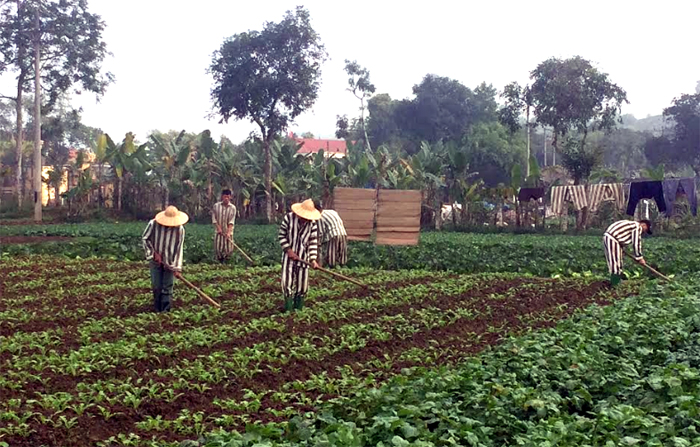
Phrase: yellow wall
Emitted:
{"points": [[49, 193]]}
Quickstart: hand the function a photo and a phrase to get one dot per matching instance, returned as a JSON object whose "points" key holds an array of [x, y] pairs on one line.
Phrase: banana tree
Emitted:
{"points": [[172, 157], [100, 149], [77, 196], [206, 153], [123, 158], [230, 169], [324, 174], [458, 177], [427, 168], [54, 180]]}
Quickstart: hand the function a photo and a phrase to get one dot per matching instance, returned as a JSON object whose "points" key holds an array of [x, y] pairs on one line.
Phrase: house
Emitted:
{"points": [[331, 148]]}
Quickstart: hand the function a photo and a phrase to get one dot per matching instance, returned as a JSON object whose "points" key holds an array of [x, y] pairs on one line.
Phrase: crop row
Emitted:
{"points": [[542, 255], [130, 376], [626, 374]]}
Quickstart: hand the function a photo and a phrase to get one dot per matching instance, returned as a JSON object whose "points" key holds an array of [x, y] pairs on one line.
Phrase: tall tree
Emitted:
{"points": [[517, 100], [571, 95], [360, 86], [71, 47], [684, 114], [381, 123], [269, 77], [442, 109]]}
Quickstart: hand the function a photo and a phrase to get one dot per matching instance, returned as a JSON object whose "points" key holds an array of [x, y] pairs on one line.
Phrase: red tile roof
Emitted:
{"points": [[313, 145]]}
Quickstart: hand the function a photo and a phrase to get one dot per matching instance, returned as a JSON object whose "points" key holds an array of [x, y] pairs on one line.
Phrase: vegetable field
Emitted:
{"points": [[84, 361], [541, 255]]}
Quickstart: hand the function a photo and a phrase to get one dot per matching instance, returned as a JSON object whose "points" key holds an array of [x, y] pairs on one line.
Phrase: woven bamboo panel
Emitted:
{"points": [[356, 206], [398, 217]]}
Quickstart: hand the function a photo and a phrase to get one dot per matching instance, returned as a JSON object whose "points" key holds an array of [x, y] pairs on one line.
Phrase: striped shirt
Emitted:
{"points": [[331, 226], [628, 232], [167, 241], [223, 215], [301, 236]]}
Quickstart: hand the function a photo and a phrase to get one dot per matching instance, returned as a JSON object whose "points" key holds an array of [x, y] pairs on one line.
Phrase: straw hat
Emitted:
{"points": [[306, 210], [172, 217]]}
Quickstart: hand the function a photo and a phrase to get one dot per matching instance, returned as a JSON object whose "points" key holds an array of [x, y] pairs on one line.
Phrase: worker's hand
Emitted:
{"points": [[157, 258], [218, 229], [293, 256], [642, 261], [178, 275], [315, 265], [230, 233]]}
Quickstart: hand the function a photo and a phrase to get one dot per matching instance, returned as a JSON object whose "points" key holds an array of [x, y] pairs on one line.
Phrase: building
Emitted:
{"points": [[331, 148]]}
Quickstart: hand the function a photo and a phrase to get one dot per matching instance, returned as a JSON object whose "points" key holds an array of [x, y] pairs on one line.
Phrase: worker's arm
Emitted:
{"points": [[313, 245], [283, 234], [284, 239], [176, 264], [214, 220], [637, 244], [231, 223], [146, 241]]}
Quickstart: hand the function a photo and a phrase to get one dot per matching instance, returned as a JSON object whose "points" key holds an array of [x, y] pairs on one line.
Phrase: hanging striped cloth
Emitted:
{"points": [[570, 193], [605, 192]]}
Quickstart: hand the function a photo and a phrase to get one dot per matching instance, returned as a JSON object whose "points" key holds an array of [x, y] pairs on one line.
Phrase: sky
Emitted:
{"points": [[162, 48]]}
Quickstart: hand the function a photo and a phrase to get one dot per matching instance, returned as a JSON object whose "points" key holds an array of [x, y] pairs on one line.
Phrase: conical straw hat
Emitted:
{"points": [[306, 210], [172, 217]]}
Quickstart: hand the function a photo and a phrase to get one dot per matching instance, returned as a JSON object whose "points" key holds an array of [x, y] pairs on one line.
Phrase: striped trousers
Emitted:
{"points": [[335, 251], [295, 278], [613, 254], [223, 247]]}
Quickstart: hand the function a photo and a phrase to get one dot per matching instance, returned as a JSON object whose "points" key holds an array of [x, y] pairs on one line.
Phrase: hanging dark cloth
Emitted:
{"points": [[671, 188], [646, 190], [527, 194]]}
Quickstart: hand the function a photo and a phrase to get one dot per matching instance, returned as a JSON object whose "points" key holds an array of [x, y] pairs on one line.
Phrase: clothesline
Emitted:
{"points": [[664, 193]]}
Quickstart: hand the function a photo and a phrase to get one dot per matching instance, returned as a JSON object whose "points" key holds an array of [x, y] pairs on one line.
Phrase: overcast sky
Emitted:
{"points": [[161, 52]]}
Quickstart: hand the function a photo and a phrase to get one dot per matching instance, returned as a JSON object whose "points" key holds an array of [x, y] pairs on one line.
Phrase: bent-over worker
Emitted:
{"points": [[619, 235], [163, 242], [223, 216], [333, 236], [298, 236]]}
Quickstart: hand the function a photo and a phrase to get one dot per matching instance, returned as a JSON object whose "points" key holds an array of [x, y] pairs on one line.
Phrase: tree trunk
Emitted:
{"points": [[100, 193], [20, 131], [37, 119], [19, 142], [209, 183], [527, 163], [119, 193], [362, 121], [268, 177]]}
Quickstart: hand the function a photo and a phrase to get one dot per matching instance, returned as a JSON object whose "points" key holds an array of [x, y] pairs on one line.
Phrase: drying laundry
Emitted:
{"points": [[674, 186], [527, 194], [650, 189], [606, 192], [575, 194]]}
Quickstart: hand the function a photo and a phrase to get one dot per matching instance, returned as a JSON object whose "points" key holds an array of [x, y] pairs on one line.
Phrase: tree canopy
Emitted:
{"points": [[269, 77]]}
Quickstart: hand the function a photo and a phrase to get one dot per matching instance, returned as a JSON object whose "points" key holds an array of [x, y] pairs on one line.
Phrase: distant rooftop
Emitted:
{"points": [[332, 148]]}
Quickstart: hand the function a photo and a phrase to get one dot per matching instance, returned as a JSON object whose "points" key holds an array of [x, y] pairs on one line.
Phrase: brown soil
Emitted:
{"points": [[31, 239], [529, 303]]}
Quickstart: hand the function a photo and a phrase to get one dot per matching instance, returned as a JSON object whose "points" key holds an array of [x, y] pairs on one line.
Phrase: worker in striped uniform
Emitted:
{"points": [[223, 217], [163, 241], [333, 237], [619, 235], [298, 236]]}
